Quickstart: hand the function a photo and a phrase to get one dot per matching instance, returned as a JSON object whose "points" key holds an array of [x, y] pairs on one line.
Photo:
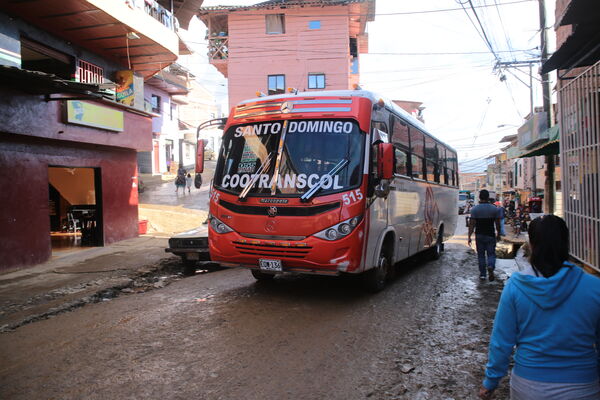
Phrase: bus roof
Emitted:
{"points": [[374, 97]]}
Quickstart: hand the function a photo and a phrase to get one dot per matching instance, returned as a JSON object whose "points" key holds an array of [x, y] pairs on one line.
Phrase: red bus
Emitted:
{"points": [[330, 182]]}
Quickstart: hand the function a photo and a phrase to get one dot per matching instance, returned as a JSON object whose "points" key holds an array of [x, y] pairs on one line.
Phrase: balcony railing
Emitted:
{"points": [[156, 11], [218, 48]]}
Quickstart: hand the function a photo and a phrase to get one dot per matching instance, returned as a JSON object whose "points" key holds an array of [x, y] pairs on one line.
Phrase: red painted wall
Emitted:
{"points": [[30, 115], [24, 213], [30, 142]]}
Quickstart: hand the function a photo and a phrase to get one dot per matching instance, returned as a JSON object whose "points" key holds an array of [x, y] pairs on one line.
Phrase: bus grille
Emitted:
{"points": [[272, 250]]}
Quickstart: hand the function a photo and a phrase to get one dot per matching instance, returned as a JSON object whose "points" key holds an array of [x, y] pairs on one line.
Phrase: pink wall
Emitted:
{"points": [[253, 54]]}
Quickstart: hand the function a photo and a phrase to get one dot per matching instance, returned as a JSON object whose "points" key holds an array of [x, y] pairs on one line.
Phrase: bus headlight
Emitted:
{"points": [[344, 229], [340, 230], [219, 226], [331, 234]]}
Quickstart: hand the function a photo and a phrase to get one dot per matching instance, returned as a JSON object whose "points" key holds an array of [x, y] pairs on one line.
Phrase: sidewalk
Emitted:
{"points": [[86, 276]]}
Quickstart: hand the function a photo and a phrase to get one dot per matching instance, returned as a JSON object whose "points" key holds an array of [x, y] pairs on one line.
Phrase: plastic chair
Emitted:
{"points": [[74, 224]]}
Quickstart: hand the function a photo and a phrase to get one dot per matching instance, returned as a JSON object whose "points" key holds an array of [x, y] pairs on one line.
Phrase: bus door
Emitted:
{"points": [[378, 209], [403, 200], [403, 203]]}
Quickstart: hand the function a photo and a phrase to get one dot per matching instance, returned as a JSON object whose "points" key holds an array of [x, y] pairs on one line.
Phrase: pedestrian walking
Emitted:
{"points": [[484, 218], [549, 312], [502, 215], [188, 182], [180, 180]]}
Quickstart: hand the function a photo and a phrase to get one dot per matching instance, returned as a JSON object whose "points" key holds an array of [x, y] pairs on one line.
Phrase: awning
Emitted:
{"points": [[580, 49], [580, 11], [551, 147]]}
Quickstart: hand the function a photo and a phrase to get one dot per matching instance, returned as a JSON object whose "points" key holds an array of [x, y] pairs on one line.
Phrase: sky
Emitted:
{"points": [[434, 52]]}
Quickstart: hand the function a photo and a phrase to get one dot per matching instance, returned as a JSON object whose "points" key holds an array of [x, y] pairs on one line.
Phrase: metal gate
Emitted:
{"points": [[579, 102]]}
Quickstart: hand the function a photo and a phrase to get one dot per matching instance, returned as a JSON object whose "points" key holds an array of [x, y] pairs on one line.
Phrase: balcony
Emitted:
{"points": [[218, 41], [119, 30]]}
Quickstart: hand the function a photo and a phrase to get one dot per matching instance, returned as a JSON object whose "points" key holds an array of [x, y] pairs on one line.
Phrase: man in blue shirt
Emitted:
{"points": [[484, 217]]}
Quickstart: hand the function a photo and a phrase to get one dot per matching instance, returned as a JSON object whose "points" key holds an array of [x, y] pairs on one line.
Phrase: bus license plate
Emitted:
{"points": [[270, 265]]}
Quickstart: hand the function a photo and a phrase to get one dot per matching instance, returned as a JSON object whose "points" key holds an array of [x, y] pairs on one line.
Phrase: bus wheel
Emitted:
{"points": [[261, 276], [438, 248], [189, 267], [375, 278]]}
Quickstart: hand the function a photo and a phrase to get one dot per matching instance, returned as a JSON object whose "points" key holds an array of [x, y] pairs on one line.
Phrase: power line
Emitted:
{"points": [[485, 37], [226, 11]]}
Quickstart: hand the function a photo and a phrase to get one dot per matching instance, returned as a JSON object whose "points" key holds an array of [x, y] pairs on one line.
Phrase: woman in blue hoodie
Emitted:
{"points": [[551, 314]]}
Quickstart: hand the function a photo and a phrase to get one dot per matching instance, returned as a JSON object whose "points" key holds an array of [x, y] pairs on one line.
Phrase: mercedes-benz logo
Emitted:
{"points": [[270, 226], [287, 107], [272, 211]]}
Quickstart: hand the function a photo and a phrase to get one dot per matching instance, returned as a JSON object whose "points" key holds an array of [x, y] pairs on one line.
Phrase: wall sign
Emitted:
{"points": [[96, 116]]}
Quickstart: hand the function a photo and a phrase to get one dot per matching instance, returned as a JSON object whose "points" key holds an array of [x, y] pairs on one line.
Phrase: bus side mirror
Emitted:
{"points": [[200, 156], [385, 161]]}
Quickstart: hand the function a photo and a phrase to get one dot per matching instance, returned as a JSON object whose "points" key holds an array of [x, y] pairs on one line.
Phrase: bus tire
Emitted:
{"points": [[374, 279], [438, 248], [189, 267], [261, 276]]}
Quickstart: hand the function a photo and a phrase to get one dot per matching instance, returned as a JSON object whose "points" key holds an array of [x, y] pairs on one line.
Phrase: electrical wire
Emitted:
{"points": [[241, 9]]}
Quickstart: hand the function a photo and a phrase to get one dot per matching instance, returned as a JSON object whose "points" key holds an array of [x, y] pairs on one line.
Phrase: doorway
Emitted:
{"points": [[75, 204]]}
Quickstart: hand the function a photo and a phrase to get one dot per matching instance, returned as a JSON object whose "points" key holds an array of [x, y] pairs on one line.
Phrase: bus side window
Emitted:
{"points": [[416, 142], [433, 172], [417, 167], [401, 158], [400, 133], [379, 125]]}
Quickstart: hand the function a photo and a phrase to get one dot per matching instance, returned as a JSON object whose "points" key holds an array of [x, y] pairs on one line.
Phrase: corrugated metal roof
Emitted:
{"points": [[281, 3]]}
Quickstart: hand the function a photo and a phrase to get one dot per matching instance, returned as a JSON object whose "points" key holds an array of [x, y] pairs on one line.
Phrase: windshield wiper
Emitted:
{"points": [[263, 167], [334, 171]]}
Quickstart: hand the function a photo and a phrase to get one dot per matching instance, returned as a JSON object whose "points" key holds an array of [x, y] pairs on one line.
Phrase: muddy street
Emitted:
{"points": [[223, 335]]}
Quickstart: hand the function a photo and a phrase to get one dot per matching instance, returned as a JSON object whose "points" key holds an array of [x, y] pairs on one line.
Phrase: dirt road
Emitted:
{"points": [[224, 336]]}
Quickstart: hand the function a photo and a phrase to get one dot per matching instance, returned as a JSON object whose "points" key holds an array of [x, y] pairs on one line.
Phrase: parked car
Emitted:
{"points": [[192, 247]]}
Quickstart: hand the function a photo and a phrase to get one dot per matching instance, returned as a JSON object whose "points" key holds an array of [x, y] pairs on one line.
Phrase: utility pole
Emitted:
{"points": [[549, 186]]}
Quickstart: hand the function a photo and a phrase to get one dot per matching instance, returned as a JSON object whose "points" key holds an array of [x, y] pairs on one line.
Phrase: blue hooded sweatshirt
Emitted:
{"points": [[555, 325]]}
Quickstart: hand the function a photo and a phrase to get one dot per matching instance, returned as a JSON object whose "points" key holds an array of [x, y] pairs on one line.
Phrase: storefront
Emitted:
{"points": [[67, 167]]}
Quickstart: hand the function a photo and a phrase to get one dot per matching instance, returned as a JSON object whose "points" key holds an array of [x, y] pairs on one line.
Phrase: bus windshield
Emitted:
{"points": [[310, 149]]}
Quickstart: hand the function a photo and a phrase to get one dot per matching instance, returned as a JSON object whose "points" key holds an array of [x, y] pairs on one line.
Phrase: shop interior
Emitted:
{"points": [[75, 209]]}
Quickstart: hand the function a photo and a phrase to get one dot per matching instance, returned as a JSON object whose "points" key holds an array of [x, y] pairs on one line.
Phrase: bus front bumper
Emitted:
{"points": [[309, 256]]}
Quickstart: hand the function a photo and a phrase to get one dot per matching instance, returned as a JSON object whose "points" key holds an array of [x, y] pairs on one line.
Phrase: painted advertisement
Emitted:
{"points": [[90, 114], [125, 87]]}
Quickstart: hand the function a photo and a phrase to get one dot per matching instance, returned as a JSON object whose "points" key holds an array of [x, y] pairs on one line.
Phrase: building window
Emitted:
{"points": [[173, 114], [155, 103], [38, 57], [314, 24], [89, 73], [275, 23], [316, 81], [276, 84]]}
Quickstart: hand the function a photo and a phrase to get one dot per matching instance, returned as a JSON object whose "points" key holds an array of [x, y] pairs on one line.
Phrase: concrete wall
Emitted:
{"points": [[253, 54]]}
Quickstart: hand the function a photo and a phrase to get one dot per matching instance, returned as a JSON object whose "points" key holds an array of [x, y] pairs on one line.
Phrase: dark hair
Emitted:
{"points": [[549, 238], [484, 195]]}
